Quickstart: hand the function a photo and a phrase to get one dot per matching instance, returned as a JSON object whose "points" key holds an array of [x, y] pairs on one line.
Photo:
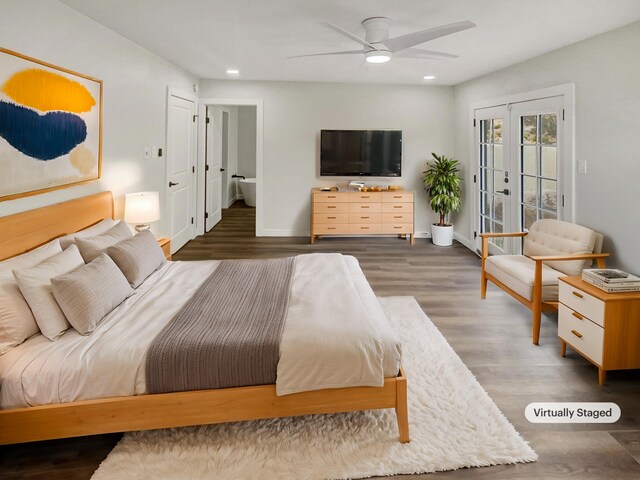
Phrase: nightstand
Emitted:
{"points": [[602, 327], [165, 244]]}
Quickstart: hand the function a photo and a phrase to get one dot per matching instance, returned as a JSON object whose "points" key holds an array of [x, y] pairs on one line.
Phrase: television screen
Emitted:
{"points": [[376, 153]]}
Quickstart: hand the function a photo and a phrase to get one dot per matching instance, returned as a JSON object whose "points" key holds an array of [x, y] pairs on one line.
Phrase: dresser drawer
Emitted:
{"points": [[365, 207], [330, 208], [330, 218], [331, 197], [397, 217], [356, 218], [365, 197], [582, 302], [364, 228], [582, 334], [397, 228], [325, 228], [397, 207], [395, 197]]}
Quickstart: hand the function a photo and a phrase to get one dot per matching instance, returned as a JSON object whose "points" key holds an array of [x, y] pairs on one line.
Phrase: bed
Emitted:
{"points": [[39, 403]]}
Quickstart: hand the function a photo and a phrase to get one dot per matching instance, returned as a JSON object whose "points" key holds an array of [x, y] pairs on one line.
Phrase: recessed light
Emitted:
{"points": [[233, 71], [429, 77]]}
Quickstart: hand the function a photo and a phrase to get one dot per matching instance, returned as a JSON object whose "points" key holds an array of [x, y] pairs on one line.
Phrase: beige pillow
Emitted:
{"points": [[35, 285], [16, 320], [87, 294], [90, 248], [88, 232], [138, 257]]}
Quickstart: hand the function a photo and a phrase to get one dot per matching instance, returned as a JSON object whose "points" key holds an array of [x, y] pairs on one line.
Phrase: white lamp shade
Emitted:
{"points": [[142, 207]]}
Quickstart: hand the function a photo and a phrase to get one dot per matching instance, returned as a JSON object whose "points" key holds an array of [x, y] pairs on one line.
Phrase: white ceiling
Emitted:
{"points": [[206, 37]]}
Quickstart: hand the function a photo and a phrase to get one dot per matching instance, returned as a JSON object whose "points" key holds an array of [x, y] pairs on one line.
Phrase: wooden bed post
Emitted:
{"points": [[402, 411]]}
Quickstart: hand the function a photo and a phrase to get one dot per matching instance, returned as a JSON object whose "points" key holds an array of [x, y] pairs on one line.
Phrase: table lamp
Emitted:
{"points": [[142, 208]]}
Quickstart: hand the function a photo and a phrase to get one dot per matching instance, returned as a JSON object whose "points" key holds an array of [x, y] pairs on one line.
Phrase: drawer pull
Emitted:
{"points": [[362, 217], [331, 218], [397, 227], [332, 228], [364, 196], [577, 334], [364, 228], [331, 206], [397, 206], [579, 295], [397, 216], [364, 206], [577, 315], [331, 196], [397, 196]]}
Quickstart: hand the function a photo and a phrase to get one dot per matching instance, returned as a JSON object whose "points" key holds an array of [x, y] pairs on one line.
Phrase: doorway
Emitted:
{"points": [[523, 167]]}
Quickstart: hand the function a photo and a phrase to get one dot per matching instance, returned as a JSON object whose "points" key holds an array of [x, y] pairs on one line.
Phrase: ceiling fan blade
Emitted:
{"points": [[347, 52], [348, 34], [426, 54], [406, 41]]}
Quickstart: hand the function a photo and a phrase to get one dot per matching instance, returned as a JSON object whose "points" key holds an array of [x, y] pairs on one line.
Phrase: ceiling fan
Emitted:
{"points": [[378, 47]]}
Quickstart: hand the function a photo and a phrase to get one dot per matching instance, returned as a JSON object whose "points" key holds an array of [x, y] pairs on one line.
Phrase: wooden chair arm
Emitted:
{"points": [[598, 257], [505, 234]]}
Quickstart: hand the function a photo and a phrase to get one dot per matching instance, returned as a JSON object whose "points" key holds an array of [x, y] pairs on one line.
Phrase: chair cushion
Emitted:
{"points": [[555, 237], [517, 271]]}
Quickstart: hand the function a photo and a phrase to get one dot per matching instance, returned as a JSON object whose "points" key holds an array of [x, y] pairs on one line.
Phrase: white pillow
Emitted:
{"points": [[35, 285], [90, 248], [138, 257], [88, 232], [16, 320], [87, 294]]}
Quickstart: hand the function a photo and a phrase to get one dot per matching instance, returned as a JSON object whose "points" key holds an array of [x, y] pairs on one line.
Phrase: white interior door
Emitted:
{"points": [[181, 158], [213, 170]]}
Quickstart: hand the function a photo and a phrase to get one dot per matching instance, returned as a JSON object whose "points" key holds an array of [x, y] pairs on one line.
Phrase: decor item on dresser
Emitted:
{"points": [[51, 121], [611, 280], [142, 208], [551, 248], [602, 327], [442, 184], [363, 213]]}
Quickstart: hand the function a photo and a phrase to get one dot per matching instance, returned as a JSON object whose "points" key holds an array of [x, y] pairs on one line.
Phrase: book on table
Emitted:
{"points": [[610, 276], [613, 288]]}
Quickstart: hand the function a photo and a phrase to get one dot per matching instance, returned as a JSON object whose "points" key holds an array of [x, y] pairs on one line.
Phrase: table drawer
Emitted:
{"points": [[364, 228], [397, 228], [365, 197], [394, 197], [331, 197], [330, 218], [582, 334], [397, 217], [582, 302], [325, 228], [397, 207], [356, 218], [330, 208], [365, 207]]}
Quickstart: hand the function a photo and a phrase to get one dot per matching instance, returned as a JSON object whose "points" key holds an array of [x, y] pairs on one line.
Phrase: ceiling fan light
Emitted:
{"points": [[377, 56], [429, 77]]}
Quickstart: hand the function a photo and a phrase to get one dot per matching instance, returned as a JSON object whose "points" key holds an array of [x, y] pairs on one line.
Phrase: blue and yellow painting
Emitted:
{"points": [[49, 126]]}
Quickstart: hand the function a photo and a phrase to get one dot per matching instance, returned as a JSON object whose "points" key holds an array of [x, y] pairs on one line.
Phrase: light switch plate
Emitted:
{"points": [[582, 167], [147, 153]]}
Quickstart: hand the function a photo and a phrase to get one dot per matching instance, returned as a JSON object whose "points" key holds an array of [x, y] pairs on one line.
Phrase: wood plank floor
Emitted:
{"points": [[492, 336]]}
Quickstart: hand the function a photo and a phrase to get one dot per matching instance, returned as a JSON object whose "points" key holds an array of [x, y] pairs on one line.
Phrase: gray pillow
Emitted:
{"points": [[88, 293], [138, 257], [91, 247]]}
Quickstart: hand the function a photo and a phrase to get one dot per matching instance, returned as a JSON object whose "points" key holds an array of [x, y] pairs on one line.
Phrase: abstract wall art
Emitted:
{"points": [[50, 127]]}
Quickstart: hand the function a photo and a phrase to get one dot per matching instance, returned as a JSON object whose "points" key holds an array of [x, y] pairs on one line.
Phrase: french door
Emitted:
{"points": [[519, 168]]}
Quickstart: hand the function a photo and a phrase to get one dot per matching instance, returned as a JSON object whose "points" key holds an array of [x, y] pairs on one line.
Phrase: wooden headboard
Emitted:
{"points": [[24, 231]]}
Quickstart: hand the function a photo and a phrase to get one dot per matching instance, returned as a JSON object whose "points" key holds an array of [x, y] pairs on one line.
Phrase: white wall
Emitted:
{"points": [[294, 114], [247, 141], [135, 88], [606, 73]]}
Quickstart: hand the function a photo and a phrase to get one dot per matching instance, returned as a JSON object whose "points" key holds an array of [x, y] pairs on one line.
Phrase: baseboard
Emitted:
{"points": [[284, 232], [422, 235], [232, 201]]}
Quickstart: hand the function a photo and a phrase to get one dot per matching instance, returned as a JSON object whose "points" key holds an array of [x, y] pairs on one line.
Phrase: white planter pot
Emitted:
{"points": [[442, 236]]}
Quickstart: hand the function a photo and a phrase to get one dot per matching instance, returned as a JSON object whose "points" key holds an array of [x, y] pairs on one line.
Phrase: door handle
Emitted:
{"points": [[171, 184], [505, 191]]}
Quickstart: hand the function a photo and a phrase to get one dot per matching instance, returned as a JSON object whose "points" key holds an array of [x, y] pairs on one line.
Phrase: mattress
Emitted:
{"points": [[111, 361]]}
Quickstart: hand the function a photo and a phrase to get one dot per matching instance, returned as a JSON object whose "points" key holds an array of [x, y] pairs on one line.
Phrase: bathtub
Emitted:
{"points": [[248, 189]]}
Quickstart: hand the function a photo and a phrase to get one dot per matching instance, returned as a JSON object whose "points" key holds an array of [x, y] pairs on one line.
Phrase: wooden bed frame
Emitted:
{"points": [[22, 232]]}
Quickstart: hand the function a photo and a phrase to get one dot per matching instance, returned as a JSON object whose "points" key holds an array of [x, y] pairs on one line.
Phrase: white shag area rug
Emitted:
{"points": [[453, 424]]}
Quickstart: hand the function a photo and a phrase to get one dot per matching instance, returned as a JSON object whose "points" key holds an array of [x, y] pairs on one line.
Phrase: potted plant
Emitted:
{"points": [[442, 183]]}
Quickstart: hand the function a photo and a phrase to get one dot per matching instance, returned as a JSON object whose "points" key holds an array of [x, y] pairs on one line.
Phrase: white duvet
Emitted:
{"points": [[335, 335]]}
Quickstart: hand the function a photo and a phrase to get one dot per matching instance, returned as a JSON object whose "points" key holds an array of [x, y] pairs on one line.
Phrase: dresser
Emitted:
{"points": [[602, 327], [389, 212]]}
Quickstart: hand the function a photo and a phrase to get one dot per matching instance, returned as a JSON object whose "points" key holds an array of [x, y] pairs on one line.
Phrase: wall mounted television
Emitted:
{"points": [[354, 153]]}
